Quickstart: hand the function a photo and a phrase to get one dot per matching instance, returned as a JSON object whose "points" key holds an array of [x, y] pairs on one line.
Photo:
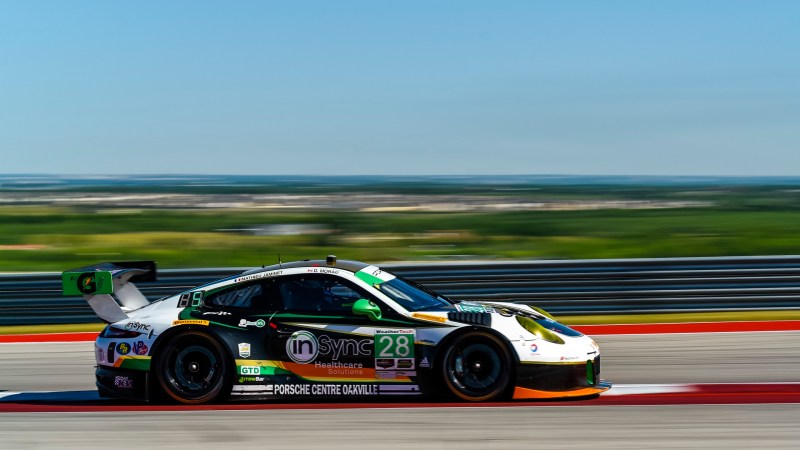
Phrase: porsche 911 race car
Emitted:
{"points": [[324, 329]]}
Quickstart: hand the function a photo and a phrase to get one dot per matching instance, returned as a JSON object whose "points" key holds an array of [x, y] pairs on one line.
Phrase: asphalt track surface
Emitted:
{"points": [[767, 357]]}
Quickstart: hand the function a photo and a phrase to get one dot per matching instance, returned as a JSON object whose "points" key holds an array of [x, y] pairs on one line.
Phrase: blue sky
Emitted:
{"points": [[406, 87]]}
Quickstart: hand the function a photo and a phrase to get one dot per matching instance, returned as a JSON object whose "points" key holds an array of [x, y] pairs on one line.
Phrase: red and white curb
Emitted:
{"points": [[650, 389], [88, 336]]}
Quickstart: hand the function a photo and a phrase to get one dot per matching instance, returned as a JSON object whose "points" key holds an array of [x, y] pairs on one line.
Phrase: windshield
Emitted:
{"points": [[411, 296]]}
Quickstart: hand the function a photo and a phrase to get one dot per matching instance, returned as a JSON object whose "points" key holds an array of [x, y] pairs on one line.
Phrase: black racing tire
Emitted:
{"points": [[193, 368], [476, 367]]}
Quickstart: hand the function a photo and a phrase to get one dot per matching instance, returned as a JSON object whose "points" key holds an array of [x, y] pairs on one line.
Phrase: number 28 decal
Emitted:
{"points": [[394, 343]]}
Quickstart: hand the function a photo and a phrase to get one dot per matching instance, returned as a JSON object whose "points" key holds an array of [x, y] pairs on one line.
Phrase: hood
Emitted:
{"points": [[471, 312]]}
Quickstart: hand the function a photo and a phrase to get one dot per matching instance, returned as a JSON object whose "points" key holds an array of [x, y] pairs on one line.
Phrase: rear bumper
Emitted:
{"points": [[121, 383]]}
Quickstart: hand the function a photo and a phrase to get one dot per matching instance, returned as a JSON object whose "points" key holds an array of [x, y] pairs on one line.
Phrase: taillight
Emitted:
{"points": [[117, 333]]}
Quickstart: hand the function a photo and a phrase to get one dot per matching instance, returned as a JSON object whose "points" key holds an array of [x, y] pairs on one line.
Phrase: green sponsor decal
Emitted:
{"points": [[373, 275], [390, 344], [262, 370], [367, 278], [137, 363], [86, 283], [246, 323]]}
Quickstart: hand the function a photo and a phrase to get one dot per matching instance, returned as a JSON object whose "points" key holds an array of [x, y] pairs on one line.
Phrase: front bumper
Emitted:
{"points": [[121, 383], [559, 380]]}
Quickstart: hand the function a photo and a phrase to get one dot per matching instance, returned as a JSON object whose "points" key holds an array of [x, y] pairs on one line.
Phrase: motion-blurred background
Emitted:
{"points": [[53, 223]]}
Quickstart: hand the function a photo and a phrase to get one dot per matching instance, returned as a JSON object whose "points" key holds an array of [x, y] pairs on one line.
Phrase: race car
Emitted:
{"points": [[319, 329]]}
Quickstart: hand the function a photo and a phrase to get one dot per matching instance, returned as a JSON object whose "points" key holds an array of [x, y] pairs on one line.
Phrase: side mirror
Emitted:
{"points": [[364, 307]]}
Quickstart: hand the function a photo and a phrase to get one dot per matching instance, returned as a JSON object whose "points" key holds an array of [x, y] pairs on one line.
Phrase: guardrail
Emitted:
{"points": [[613, 286]]}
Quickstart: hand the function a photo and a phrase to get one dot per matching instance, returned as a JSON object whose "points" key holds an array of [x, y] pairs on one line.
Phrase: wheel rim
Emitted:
{"points": [[193, 371], [475, 369]]}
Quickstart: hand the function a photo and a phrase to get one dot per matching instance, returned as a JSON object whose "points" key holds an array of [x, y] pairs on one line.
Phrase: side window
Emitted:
{"points": [[319, 293], [258, 296]]}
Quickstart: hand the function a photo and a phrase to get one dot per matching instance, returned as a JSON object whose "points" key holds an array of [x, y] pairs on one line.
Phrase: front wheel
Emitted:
{"points": [[191, 368], [477, 367]]}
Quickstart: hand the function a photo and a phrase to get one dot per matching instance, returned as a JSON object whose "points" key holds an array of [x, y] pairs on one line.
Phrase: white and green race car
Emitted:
{"points": [[324, 329]]}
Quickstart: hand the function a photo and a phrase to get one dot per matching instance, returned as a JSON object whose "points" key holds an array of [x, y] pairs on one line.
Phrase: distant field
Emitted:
{"points": [[48, 238]]}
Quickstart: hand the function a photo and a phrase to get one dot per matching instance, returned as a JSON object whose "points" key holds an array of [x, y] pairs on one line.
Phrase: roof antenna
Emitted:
{"points": [[261, 257], [279, 261]]}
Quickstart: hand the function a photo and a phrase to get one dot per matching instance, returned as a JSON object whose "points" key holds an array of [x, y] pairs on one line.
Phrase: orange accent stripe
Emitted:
{"points": [[525, 393], [314, 373], [430, 317]]}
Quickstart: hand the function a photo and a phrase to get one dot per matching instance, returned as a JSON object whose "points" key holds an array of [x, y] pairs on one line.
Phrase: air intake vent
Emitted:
{"points": [[474, 318]]}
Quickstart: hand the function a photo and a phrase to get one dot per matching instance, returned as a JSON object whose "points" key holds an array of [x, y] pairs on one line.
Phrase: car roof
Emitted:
{"points": [[352, 266]]}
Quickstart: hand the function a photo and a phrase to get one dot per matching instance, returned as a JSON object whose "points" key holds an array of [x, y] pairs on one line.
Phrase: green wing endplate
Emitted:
{"points": [[98, 279], [87, 283]]}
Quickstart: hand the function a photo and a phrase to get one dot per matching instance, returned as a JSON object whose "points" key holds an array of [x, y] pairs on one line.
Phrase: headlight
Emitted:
{"points": [[538, 330], [543, 312]]}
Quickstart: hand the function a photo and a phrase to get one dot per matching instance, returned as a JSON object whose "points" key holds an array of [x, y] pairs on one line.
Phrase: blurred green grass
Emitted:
{"points": [[41, 238]]}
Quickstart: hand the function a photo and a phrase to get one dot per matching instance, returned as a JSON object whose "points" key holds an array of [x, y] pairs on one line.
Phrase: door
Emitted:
{"points": [[320, 339]]}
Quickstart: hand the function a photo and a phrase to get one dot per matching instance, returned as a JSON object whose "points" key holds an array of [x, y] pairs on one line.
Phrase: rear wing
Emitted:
{"points": [[97, 283]]}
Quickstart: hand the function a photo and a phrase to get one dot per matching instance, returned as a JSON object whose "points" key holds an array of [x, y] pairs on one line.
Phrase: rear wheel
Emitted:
{"points": [[477, 367], [192, 368]]}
